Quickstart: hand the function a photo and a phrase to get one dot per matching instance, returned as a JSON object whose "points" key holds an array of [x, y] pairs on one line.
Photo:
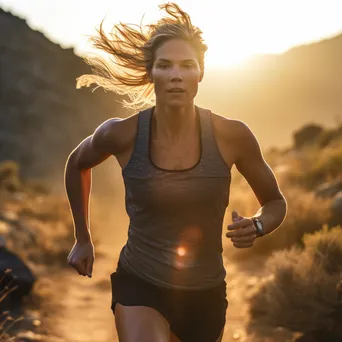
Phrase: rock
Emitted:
{"points": [[329, 189], [16, 276]]}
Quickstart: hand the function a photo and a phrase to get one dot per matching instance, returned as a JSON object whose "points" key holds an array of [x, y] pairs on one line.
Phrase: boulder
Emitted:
{"points": [[329, 189], [16, 276]]}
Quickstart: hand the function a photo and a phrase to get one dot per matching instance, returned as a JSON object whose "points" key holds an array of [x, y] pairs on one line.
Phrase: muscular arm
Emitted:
{"points": [[90, 152], [253, 167]]}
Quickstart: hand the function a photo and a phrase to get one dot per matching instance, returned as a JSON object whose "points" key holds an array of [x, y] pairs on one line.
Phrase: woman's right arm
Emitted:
{"points": [[90, 152]]}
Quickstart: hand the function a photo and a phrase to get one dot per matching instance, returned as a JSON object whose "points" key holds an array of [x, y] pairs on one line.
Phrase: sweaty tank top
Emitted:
{"points": [[176, 216]]}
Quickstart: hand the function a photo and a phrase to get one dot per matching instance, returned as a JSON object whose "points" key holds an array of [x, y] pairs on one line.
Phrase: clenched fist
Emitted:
{"points": [[242, 231], [82, 257]]}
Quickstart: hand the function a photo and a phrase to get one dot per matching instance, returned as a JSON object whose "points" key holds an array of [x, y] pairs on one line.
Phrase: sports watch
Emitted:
{"points": [[259, 226]]}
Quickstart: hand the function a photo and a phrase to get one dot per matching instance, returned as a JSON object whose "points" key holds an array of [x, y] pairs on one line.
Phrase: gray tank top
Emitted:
{"points": [[176, 216]]}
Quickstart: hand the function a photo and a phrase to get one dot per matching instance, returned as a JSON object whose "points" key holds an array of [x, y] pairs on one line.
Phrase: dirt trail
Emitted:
{"points": [[78, 308]]}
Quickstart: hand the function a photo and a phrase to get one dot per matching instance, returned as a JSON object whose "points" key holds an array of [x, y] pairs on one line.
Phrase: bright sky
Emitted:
{"points": [[233, 29]]}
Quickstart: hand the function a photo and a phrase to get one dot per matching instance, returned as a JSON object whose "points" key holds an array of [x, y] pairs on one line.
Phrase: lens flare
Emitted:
{"points": [[181, 251]]}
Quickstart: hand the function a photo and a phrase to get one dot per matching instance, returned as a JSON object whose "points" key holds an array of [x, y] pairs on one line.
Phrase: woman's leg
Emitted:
{"points": [[141, 323]]}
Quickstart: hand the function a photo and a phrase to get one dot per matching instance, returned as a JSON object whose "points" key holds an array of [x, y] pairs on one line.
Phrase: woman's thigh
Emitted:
{"points": [[144, 324], [141, 323]]}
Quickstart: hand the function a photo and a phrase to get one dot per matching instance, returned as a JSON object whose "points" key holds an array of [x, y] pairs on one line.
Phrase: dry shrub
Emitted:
{"points": [[9, 176], [12, 182], [40, 228], [328, 136], [327, 167], [7, 322], [325, 249], [302, 294], [312, 166]]}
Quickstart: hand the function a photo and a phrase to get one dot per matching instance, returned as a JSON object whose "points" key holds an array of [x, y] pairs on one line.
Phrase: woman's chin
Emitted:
{"points": [[177, 103]]}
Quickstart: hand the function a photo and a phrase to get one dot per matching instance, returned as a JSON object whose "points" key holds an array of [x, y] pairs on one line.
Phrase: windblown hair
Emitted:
{"points": [[131, 50]]}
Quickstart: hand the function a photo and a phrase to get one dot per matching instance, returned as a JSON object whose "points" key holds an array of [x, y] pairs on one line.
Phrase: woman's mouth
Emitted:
{"points": [[176, 91]]}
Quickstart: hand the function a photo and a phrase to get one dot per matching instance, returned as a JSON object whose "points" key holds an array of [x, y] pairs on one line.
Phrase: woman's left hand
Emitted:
{"points": [[242, 231]]}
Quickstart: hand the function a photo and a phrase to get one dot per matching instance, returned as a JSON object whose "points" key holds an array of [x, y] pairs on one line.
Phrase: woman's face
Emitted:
{"points": [[175, 73]]}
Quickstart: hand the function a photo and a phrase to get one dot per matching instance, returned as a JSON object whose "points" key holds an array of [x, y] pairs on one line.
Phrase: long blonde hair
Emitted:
{"points": [[131, 50]]}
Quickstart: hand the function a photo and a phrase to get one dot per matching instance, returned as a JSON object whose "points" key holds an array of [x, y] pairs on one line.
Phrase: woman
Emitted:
{"points": [[176, 158]]}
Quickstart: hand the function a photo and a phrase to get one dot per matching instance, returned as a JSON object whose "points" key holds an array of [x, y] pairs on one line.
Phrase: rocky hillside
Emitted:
{"points": [[42, 115]]}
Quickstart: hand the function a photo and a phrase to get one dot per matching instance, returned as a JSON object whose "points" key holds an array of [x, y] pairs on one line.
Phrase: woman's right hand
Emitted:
{"points": [[81, 257]]}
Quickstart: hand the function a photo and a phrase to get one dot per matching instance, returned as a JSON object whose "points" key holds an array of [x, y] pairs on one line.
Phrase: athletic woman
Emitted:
{"points": [[176, 160]]}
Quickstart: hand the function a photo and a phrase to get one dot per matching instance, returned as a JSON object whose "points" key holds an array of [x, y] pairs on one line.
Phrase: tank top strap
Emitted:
{"points": [[211, 155], [142, 137], [139, 164]]}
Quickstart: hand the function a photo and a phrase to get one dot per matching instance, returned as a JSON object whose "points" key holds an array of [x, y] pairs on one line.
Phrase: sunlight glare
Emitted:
{"points": [[181, 251]]}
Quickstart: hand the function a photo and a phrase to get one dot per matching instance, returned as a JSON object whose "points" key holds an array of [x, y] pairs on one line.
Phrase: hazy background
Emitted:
{"points": [[276, 65], [234, 30]]}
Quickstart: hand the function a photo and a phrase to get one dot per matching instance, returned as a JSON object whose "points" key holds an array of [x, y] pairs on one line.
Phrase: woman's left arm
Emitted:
{"points": [[253, 167]]}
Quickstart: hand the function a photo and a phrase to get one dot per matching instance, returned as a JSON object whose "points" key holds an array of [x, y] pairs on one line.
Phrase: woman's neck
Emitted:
{"points": [[174, 124]]}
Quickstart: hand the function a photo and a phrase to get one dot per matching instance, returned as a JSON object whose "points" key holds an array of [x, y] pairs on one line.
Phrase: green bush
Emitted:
{"points": [[302, 292]]}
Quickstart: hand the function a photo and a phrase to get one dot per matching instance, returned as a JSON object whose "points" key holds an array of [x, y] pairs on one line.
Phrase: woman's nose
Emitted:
{"points": [[176, 74], [174, 78]]}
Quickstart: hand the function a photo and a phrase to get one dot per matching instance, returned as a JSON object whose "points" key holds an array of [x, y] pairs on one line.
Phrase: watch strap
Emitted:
{"points": [[258, 226]]}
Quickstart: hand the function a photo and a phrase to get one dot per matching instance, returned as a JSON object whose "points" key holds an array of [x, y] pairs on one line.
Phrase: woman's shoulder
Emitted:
{"points": [[121, 126], [228, 128], [118, 132], [234, 137]]}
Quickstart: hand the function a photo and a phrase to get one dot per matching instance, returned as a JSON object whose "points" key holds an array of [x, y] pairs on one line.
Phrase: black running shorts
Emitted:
{"points": [[193, 315]]}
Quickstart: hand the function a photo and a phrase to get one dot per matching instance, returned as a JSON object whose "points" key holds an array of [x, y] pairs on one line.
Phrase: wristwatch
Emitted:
{"points": [[259, 226]]}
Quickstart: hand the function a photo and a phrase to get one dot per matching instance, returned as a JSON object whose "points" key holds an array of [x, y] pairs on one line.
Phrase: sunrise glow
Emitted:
{"points": [[233, 30]]}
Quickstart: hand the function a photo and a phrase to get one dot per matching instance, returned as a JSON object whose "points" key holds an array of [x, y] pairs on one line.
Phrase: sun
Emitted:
{"points": [[232, 33], [219, 56], [228, 39]]}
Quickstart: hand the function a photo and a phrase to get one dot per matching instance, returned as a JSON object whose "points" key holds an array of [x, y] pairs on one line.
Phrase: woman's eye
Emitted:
{"points": [[188, 66], [162, 66]]}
